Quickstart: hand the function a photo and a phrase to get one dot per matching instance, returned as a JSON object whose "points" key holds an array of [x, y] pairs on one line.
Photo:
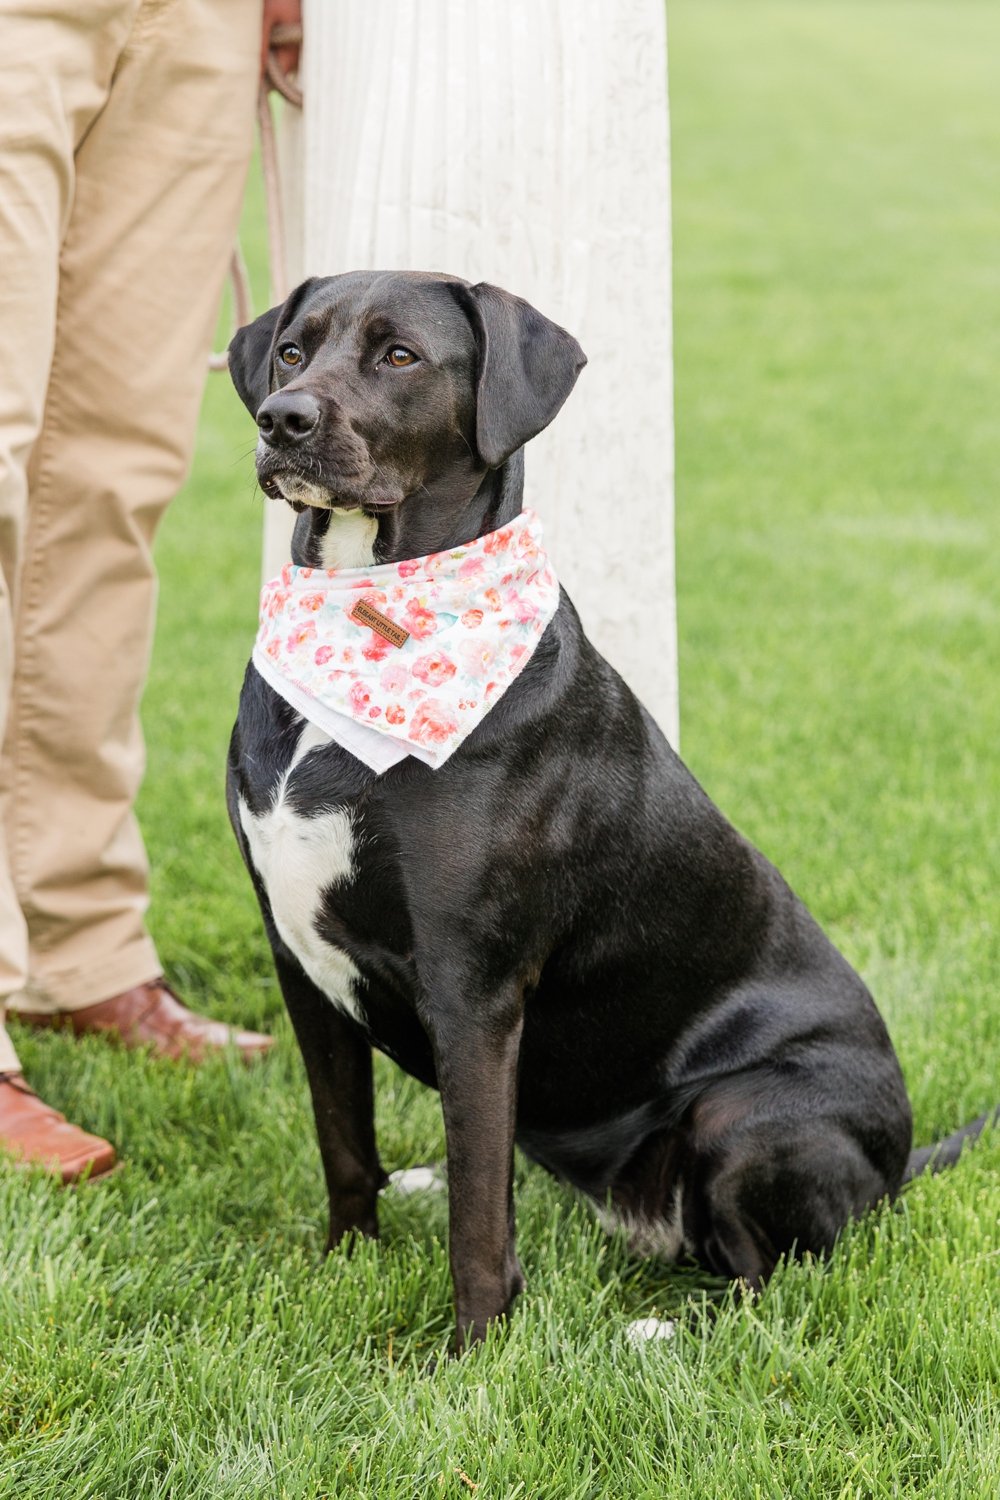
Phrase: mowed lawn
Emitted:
{"points": [[173, 1332]]}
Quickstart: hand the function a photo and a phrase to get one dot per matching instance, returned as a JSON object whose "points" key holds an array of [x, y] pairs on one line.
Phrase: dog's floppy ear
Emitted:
{"points": [[527, 367], [250, 349], [250, 359]]}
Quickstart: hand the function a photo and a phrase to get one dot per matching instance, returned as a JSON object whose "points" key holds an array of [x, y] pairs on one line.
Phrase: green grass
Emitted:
{"points": [[172, 1332]]}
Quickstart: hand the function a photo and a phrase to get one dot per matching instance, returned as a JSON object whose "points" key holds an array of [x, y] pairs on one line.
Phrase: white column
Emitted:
{"points": [[524, 143]]}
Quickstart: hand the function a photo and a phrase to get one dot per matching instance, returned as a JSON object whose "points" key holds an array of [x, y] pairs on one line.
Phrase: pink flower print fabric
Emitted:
{"points": [[473, 615]]}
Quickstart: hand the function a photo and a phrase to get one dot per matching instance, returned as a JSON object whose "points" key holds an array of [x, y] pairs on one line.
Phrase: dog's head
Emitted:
{"points": [[373, 386]]}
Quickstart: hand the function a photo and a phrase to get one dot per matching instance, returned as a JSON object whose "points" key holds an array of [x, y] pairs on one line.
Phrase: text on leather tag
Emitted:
{"points": [[366, 614]]}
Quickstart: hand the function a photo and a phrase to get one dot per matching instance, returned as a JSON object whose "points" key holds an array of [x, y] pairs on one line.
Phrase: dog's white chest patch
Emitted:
{"points": [[349, 540], [299, 859]]}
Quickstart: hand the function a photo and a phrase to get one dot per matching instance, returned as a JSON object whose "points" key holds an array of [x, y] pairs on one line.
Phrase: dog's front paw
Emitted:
{"points": [[515, 1280], [474, 1313], [348, 1225], [343, 1238]]}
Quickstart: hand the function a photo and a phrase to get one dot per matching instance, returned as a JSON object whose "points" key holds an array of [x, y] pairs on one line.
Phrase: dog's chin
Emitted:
{"points": [[300, 492], [297, 490]]}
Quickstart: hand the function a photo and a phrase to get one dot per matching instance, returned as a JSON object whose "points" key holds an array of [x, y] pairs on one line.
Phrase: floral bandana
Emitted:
{"points": [[406, 658]]}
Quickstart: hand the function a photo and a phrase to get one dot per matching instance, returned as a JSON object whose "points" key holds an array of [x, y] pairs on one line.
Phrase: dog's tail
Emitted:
{"points": [[946, 1153]]}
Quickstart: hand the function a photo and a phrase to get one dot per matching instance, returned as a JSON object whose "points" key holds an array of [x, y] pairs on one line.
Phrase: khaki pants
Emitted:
{"points": [[125, 132]]}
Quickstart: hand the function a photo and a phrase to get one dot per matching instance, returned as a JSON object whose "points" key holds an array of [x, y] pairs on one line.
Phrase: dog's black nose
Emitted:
{"points": [[287, 418]]}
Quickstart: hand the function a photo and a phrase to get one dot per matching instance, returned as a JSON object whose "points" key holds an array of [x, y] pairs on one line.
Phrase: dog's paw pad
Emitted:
{"points": [[416, 1180], [645, 1329]]}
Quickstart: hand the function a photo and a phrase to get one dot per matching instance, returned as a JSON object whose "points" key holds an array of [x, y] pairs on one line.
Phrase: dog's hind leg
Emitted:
{"points": [[338, 1059], [777, 1166], [782, 1187]]}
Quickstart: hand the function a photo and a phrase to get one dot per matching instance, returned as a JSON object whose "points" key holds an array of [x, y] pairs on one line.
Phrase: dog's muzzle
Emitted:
{"points": [[306, 461]]}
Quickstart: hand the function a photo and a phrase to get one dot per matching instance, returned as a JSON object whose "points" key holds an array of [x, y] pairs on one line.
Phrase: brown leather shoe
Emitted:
{"points": [[152, 1016], [36, 1135]]}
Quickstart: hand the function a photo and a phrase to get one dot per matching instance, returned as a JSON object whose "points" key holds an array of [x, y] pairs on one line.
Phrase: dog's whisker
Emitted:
{"points": [[465, 440]]}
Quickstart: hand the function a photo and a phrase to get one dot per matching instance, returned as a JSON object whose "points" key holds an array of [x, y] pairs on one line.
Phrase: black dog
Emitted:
{"points": [[556, 928]]}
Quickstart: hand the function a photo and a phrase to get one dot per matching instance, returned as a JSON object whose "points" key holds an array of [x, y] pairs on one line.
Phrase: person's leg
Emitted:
{"points": [[159, 180], [56, 67]]}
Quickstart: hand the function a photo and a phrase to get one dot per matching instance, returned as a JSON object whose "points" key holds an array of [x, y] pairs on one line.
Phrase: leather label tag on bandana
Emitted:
{"points": [[367, 614]]}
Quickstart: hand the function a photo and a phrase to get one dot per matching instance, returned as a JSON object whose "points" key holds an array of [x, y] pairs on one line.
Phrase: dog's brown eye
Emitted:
{"points": [[399, 357], [290, 354]]}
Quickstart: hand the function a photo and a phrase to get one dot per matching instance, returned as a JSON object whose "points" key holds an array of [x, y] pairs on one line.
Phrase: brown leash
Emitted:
{"points": [[279, 82]]}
